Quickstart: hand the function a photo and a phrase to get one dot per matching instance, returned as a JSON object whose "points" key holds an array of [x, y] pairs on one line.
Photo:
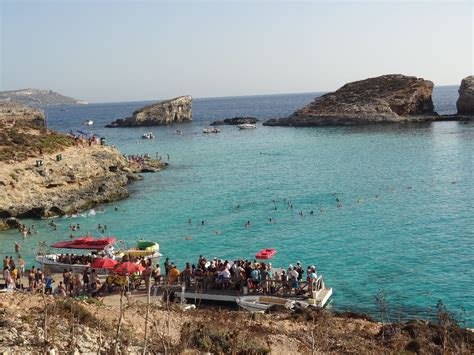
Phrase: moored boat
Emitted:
{"points": [[88, 122], [262, 303], [247, 126], [211, 130], [148, 135]]}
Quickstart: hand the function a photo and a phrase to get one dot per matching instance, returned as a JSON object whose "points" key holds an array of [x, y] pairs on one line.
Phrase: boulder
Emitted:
{"points": [[387, 98], [176, 110], [465, 103], [235, 121]]}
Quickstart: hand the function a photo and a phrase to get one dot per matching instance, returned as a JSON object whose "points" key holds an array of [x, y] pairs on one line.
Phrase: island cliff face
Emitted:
{"points": [[387, 98], [176, 110], [465, 103]]}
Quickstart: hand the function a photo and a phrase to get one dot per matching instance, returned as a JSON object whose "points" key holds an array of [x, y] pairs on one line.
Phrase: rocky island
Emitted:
{"points": [[387, 98], [235, 121], [167, 112], [465, 103], [38, 98], [44, 173]]}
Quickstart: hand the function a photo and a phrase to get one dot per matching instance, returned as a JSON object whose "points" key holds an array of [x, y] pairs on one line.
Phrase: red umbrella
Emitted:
{"points": [[128, 267], [104, 263]]}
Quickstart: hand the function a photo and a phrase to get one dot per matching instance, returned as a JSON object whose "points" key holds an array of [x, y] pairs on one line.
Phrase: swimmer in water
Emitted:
{"points": [[237, 206], [190, 221], [17, 247], [116, 208], [301, 214], [311, 212], [202, 222], [247, 225]]}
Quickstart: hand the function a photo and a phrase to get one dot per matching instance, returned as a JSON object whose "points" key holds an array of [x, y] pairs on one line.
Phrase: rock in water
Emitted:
{"points": [[235, 121], [465, 103], [387, 98], [166, 112]]}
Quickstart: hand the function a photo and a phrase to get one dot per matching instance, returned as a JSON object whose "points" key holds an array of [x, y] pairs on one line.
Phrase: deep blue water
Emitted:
{"points": [[406, 227]]}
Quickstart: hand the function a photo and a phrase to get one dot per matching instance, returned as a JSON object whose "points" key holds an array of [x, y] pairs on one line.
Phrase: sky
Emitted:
{"points": [[108, 50]]}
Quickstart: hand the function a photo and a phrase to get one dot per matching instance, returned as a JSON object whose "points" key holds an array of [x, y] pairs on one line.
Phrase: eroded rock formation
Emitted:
{"points": [[176, 110], [12, 113], [465, 103], [387, 98]]}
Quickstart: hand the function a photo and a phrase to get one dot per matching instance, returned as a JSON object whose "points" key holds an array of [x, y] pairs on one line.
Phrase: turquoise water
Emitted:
{"points": [[406, 225]]}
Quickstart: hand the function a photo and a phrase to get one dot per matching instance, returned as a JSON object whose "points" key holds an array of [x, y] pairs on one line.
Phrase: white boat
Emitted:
{"points": [[211, 130], [88, 122], [102, 248], [148, 135], [262, 303], [247, 126]]}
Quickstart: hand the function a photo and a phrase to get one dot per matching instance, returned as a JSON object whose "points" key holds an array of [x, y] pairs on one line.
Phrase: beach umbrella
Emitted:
{"points": [[104, 263], [128, 267]]}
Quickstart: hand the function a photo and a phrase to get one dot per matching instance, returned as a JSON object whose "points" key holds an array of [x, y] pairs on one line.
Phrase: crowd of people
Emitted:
{"points": [[255, 275]]}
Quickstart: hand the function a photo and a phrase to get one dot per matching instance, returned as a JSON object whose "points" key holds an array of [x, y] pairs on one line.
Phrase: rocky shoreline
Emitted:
{"points": [[33, 324], [55, 174]]}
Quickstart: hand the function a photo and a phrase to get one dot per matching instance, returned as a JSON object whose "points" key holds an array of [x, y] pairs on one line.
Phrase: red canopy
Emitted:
{"points": [[104, 263], [85, 243], [128, 267]]}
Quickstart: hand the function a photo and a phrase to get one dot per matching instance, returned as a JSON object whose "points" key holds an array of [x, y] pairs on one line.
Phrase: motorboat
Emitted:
{"points": [[263, 303], [247, 126], [265, 254], [211, 130], [148, 135], [98, 248], [88, 122]]}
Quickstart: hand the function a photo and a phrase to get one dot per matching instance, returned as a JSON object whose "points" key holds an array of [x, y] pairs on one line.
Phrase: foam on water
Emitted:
{"points": [[406, 225]]}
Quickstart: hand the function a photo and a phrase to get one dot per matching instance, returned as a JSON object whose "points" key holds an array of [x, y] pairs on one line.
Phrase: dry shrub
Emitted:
{"points": [[215, 338]]}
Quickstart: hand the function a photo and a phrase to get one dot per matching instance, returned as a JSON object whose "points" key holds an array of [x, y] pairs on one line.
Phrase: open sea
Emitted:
{"points": [[406, 225]]}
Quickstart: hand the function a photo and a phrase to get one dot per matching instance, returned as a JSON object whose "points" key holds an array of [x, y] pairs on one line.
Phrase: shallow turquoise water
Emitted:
{"points": [[414, 240]]}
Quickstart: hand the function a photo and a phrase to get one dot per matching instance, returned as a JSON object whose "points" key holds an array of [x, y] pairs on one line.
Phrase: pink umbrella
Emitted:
{"points": [[128, 267], [104, 263]]}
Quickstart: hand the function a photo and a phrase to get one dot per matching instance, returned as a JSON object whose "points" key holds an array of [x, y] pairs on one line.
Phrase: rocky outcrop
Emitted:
{"points": [[387, 98], [465, 103], [12, 113], [235, 121], [176, 110], [38, 97]]}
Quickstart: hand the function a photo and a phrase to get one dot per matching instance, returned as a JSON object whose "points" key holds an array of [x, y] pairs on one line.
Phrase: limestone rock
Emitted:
{"points": [[235, 121], [176, 110], [465, 103], [387, 98], [12, 113]]}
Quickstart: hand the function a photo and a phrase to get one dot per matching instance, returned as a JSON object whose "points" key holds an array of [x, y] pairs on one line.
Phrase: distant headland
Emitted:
{"points": [[38, 98]]}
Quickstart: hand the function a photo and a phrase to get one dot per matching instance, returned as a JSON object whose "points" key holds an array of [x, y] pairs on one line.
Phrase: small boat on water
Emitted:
{"points": [[265, 254], [211, 130], [263, 303], [247, 126], [99, 248], [88, 122], [148, 135]]}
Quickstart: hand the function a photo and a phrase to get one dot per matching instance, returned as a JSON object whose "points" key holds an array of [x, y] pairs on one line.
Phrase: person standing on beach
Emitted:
{"points": [[167, 266]]}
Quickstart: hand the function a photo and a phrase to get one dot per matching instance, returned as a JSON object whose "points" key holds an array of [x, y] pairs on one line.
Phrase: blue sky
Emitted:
{"points": [[105, 51]]}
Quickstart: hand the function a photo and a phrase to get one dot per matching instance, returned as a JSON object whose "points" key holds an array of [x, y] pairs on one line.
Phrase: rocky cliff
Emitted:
{"points": [[465, 103], [84, 176], [12, 113], [387, 98], [166, 112], [38, 97]]}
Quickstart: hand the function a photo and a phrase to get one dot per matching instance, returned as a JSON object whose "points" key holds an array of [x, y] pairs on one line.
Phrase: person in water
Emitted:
{"points": [[247, 225]]}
